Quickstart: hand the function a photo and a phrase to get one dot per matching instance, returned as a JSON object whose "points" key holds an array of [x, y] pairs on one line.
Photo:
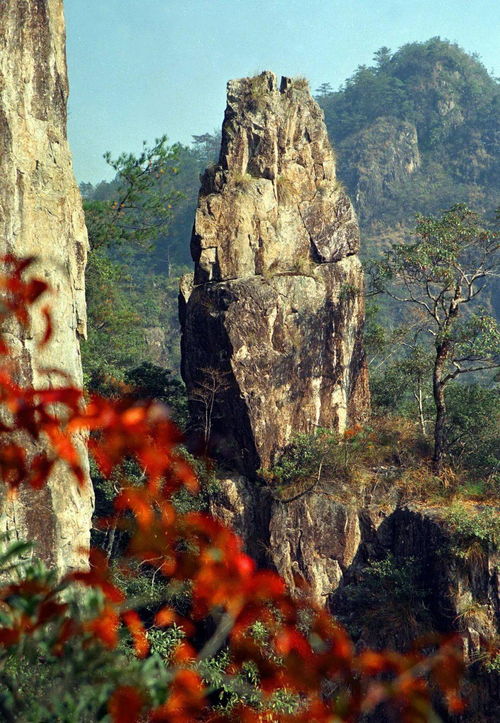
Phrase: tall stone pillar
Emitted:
{"points": [[41, 215], [272, 320]]}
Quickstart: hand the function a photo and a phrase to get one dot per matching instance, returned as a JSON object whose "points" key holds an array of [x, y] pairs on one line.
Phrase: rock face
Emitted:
{"points": [[272, 320], [424, 580], [315, 538], [378, 160], [41, 215]]}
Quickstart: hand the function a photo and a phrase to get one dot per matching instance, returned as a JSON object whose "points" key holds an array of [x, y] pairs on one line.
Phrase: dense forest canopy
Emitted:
{"points": [[416, 132]]}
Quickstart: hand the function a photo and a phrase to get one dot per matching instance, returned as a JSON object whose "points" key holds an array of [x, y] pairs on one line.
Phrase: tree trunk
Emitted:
{"points": [[169, 263], [439, 401], [419, 399]]}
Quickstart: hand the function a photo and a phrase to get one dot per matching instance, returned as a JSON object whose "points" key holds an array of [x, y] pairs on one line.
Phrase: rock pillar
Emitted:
{"points": [[272, 319], [41, 215]]}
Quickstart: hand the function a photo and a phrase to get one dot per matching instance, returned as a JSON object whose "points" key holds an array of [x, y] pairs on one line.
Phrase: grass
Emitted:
{"points": [[476, 529], [257, 91], [286, 190], [243, 179], [472, 613], [386, 463], [300, 82]]}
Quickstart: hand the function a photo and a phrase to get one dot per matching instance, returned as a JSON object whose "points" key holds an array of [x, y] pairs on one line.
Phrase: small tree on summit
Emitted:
{"points": [[440, 272], [382, 56]]}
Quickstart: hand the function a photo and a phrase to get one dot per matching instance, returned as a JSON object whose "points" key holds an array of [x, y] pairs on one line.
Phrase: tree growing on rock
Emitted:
{"points": [[440, 273], [212, 383]]}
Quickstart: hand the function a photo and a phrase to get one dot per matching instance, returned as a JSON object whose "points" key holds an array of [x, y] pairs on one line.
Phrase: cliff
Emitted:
{"points": [[41, 215], [377, 161], [272, 320], [390, 574]]}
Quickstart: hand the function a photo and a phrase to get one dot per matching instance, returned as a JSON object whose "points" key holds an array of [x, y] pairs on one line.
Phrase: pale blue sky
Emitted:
{"points": [[141, 68]]}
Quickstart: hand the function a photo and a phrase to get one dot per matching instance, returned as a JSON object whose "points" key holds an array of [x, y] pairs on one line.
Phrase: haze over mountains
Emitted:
{"points": [[415, 132]]}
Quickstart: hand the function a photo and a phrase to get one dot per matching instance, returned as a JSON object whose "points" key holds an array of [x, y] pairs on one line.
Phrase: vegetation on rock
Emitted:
{"points": [[436, 110]]}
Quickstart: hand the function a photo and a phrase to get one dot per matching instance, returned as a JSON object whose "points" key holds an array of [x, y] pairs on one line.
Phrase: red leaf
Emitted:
{"points": [[136, 500], [9, 636], [41, 467], [13, 464], [33, 289], [105, 627], [48, 326], [98, 576], [165, 617], [125, 705], [136, 628]]}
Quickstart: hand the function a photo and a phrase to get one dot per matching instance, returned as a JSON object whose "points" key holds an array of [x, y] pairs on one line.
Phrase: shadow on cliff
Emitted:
{"points": [[406, 582]]}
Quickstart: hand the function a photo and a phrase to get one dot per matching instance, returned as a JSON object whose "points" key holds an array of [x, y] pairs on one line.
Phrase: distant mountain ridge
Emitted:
{"points": [[416, 132]]}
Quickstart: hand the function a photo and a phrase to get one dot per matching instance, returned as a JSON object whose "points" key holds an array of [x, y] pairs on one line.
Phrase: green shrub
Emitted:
{"points": [[387, 600], [474, 529], [493, 665]]}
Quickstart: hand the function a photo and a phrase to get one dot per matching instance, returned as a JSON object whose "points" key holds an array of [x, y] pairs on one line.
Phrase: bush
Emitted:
{"points": [[472, 428], [474, 529], [386, 600]]}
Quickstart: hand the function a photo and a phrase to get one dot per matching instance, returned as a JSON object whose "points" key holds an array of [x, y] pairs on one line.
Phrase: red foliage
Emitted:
{"points": [[193, 547], [126, 704]]}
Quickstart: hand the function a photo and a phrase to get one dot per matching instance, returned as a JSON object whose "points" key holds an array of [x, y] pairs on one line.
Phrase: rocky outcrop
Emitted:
{"points": [[156, 345], [41, 215], [391, 576], [316, 539], [272, 320], [376, 161], [246, 508]]}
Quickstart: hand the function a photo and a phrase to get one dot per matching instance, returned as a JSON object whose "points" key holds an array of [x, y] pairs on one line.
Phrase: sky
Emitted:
{"points": [[139, 69]]}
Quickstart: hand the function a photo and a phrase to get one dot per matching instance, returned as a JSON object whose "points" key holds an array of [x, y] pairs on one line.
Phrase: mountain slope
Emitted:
{"points": [[416, 132]]}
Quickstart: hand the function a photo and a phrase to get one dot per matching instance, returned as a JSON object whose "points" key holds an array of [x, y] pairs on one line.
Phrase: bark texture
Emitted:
{"points": [[41, 215], [275, 306]]}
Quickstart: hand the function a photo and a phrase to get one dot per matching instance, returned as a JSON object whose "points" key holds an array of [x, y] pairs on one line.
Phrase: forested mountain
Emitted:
{"points": [[354, 454], [416, 132]]}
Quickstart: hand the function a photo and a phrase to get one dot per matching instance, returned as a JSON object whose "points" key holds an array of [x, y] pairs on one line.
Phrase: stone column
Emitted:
{"points": [[41, 215]]}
